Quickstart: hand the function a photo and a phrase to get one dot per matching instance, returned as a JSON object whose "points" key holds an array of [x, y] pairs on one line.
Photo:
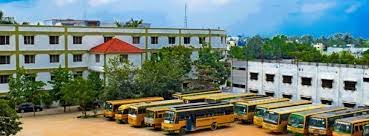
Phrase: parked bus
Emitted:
{"points": [[276, 120], [122, 113], [261, 109], [155, 115], [195, 92], [199, 116], [201, 98], [249, 98], [322, 124], [366, 130], [232, 97], [298, 121], [244, 111], [137, 112], [110, 107], [351, 126]]}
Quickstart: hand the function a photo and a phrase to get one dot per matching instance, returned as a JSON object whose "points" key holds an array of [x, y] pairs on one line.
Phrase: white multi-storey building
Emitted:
{"points": [[42, 49], [335, 84]]}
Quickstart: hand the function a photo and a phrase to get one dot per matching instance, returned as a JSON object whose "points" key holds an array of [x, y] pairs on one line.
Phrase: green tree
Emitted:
{"points": [[238, 52], [179, 56], [9, 120], [80, 91], [4, 20], [133, 23], [120, 82], [61, 77], [33, 90], [16, 88], [96, 83], [211, 67]]}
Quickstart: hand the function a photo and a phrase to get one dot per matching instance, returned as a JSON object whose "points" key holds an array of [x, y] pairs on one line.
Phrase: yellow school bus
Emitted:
{"points": [[275, 120], [199, 116], [351, 126], [195, 92], [298, 121], [244, 111], [366, 130], [201, 98], [137, 112], [110, 107], [261, 109], [322, 124]]}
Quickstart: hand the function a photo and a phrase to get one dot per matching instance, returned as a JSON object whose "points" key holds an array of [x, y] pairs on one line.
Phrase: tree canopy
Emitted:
{"points": [[9, 120]]}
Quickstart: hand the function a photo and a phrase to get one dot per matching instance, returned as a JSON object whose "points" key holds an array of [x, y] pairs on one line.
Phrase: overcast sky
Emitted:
{"points": [[247, 17]]}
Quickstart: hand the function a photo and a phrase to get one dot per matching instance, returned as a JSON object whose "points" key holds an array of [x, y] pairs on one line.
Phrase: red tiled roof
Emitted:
{"points": [[115, 46]]}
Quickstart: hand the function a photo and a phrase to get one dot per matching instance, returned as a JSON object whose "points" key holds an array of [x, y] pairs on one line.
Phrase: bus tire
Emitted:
{"points": [[213, 126], [182, 131]]}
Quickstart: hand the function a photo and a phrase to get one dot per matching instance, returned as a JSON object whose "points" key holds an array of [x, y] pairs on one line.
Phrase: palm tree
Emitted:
{"points": [[4, 20], [133, 23]]}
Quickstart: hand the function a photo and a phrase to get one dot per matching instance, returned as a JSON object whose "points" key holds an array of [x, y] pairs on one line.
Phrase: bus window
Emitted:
{"points": [[343, 128]]}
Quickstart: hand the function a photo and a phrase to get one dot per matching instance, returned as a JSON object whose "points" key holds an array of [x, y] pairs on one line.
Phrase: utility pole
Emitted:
{"points": [[185, 16]]}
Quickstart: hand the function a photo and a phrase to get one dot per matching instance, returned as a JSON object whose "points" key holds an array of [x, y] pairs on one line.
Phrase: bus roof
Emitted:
{"points": [[319, 110], [339, 113], [204, 96], [231, 96], [355, 119], [135, 100], [205, 107], [284, 104], [197, 93], [154, 104], [196, 105], [262, 101], [250, 98], [297, 108]]}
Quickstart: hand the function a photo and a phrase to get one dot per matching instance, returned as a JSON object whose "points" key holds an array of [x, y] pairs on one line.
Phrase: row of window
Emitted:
{"points": [[31, 59], [30, 40], [4, 79]]}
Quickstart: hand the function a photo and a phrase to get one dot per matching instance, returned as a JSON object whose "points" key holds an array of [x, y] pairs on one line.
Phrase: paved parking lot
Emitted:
{"points": [[66, 124]]}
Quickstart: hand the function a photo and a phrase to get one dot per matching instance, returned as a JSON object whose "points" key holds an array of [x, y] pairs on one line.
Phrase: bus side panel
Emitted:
{"points": [[223, 119]]}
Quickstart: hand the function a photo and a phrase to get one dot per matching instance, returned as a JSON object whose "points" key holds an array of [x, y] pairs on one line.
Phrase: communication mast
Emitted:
{"points": [[185, 16]]}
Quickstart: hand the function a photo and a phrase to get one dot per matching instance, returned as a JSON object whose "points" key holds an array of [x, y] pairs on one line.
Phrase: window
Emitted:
{"points": [[239, 86], [4, 40], [54, 58], [271, 94], [327, 83], [97, 58], [28, 59], [107, 38], [4, 59], [172, 40], [239, 68], [201, 40], [29, 40], [326, 102], [54, 39], [136, 40], [222, 39], [287, 96], [123, 57], [4, 79], [77, 39], [269, 77], [287, 79], [52, 77], [254, 76], [154, 40], [306, 81], [78, 74], [350, 85], [366, 79], [187, 40], [77, 58], [305, 98]]}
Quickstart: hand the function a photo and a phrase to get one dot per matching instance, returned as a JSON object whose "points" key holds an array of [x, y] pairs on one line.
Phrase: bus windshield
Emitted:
{"points": [[132, 112], [260, 112], [343, 127], [108, 106], [317, 122], [271, 117], [169, 117], [150, 114], [296, 121], [366, 130], [240, 109]]}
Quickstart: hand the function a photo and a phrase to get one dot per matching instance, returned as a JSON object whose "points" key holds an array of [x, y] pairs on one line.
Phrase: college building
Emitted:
{"points": [[42, 49], [333, 84]]}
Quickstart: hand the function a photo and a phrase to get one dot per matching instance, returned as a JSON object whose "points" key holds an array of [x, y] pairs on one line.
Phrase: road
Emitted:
{"points": [[67, 124]]}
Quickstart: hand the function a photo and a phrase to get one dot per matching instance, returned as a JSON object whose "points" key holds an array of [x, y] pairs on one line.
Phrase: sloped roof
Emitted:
{"points": [[115, 46]]}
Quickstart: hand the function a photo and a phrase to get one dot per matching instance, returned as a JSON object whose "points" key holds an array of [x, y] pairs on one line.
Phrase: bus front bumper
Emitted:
{"points": [[170, 128], [295, 130], [133, 121], [340, 134], [315, 131], [120, 117], [270, 127], [241, 117], [108, 114], [258, 121]]}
